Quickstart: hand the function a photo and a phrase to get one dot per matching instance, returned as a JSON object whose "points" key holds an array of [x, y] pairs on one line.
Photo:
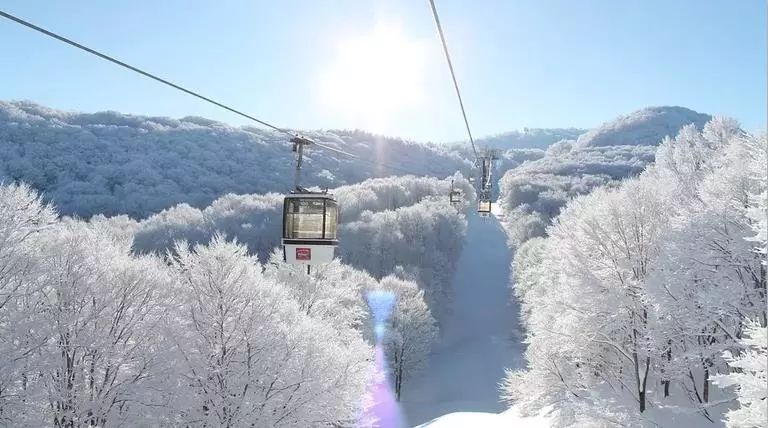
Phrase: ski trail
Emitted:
{"points": [[479, 339]]}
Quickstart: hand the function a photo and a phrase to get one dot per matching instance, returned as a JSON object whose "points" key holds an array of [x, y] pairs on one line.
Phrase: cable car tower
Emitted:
{"points": [[485, 186], [310, 219]]}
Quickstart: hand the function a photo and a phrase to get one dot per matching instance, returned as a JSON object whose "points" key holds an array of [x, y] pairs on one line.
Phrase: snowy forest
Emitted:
{"points": [[142, 281], [642, 296], [99, 330]]}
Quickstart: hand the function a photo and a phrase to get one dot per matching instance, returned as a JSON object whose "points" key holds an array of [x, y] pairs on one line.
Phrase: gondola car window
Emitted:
{"points": [[304, 219], [331, 219]]}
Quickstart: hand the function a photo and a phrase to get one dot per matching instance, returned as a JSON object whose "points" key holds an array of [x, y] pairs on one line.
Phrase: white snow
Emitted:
{"points": [[479, 339], [507, 419]]}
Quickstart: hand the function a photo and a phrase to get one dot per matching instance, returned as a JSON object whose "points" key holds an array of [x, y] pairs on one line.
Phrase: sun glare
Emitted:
{"points": [[375, 76]]}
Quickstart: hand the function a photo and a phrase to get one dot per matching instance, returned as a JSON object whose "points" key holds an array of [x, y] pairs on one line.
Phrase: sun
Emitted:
{"points": [[375, 77]]}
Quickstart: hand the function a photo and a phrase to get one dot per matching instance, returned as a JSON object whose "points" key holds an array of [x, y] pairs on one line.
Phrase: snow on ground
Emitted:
{"points": [[479, 339], [508, 419]]}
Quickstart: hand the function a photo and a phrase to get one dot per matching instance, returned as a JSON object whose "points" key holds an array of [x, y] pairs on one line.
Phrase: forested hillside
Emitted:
{"points": [[111, 163]]}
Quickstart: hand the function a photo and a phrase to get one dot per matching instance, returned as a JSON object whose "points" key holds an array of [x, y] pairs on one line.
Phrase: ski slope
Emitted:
{"points": [[509, 419], [478, 340]]}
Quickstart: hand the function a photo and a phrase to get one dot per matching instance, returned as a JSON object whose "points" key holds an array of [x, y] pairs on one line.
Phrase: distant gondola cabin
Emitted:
{"points": [[455, 197], [484, 207]]}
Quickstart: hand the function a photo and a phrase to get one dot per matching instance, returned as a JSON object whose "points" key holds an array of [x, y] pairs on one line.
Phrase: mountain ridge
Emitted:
{"points": [[113, 163]]}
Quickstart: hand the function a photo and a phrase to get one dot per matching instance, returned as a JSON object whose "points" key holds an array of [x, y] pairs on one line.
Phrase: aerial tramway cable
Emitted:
{"points": [[485, 160], [453, 75], [136, 69]]}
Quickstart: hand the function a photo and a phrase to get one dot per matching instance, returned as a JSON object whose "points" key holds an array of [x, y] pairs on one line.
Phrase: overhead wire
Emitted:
{"points": [[453, 75], [137, 70], [189, 91], [373, 162]]}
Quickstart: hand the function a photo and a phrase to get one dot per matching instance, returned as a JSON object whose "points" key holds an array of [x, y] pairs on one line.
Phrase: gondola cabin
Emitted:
{"points": [[310, 221], [484, 207], [455, 197]]}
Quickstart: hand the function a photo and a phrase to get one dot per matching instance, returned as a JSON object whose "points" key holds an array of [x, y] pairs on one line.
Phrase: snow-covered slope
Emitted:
{"points": [[508, 419], [479, 339], [646, 127]]}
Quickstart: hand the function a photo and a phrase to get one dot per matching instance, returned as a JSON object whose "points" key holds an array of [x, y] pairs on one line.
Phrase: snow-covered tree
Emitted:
{"points": [[332, 292], [749, 377], [425, 239], [249, 355], [410, 333], [99, 309], [23, 216], [707, 276]]}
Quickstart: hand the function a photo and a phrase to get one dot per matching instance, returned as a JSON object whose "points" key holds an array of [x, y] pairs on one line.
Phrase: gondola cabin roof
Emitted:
{"points": [[310, 195]]}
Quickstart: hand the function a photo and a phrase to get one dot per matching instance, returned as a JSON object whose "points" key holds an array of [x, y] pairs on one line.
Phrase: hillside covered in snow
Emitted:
{"points": [[534, 193], [112, 163], [530, 138], [646, 127]]}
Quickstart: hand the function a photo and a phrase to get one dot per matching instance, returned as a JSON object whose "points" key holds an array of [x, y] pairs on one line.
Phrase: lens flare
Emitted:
{"points": [[379, 330], [380, 302], [383, 412]]}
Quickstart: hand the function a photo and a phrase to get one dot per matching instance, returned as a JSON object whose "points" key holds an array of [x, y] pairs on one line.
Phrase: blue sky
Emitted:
{"points": [[378, 64]]}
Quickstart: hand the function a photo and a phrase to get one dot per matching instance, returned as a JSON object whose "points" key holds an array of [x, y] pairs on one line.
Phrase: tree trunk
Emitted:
{"points": [[398, 366], [705, 392], [644, 388], [640, 396], [669, 358], [398, 382], [640, 383]]}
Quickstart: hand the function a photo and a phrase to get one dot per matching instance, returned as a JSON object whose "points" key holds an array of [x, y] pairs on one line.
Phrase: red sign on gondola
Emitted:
{"points": [[303, 254]]}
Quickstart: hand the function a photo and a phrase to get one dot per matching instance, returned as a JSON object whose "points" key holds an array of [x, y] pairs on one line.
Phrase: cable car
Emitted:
{"points": [[310, 221], [484, 197], [455, 197], [484, 207]]}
